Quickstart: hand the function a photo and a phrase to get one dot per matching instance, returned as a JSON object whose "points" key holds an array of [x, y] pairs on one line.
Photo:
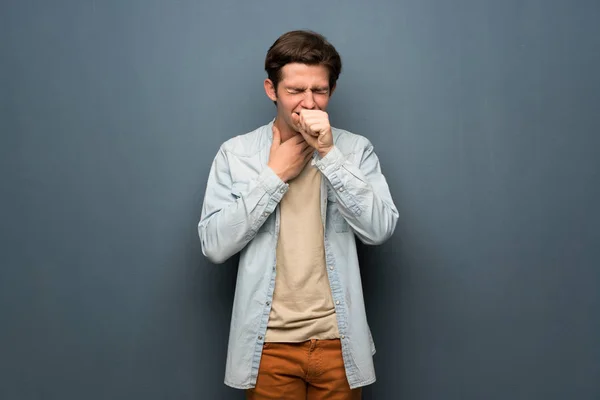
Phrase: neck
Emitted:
{"points": [[284, 129]]}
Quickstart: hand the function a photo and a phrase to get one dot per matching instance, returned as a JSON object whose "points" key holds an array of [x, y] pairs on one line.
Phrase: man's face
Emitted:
{"points": [[301, 87]]}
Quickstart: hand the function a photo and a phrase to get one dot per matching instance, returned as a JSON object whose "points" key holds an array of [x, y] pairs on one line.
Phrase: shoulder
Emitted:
{"points": [[250, 143], [350, 142]]}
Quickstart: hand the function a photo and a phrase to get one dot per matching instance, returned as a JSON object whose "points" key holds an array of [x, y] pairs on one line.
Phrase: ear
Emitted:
{"points": [[270, 90]]}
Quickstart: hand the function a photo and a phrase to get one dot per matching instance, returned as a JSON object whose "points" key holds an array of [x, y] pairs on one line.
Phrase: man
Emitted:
{"points": [[292, 197]]}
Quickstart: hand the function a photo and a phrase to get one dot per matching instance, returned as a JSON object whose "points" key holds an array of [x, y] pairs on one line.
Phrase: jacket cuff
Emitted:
{"points": [[272, 184], [331, 162]]}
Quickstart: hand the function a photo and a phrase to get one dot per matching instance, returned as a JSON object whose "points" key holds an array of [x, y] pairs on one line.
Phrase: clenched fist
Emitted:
{"points": [[315, 128], [287, 159]]}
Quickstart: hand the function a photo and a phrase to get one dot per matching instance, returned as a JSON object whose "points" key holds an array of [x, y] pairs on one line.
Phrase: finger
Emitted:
{"points": [[313, 115], [318, 128], [301, 121], [298, 139], [304, 113], [312, 125], [299, 124], [307, 154], [307, 138], [305, 124], [276, 136], [307, 116]]}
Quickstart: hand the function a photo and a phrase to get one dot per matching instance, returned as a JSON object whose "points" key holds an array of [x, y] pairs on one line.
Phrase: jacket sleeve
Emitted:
{"points": [[362, 192], [232, 212]]}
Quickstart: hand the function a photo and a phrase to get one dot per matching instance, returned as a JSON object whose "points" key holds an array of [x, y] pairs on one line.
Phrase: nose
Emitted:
{"points": [[308, 101]]}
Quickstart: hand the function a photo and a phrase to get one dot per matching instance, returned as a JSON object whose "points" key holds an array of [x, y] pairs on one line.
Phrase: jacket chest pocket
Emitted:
{"points": [[335, 219]]}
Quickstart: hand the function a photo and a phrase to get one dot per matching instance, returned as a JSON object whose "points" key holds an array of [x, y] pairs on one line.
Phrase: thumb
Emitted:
{"points": [[296, 119]]}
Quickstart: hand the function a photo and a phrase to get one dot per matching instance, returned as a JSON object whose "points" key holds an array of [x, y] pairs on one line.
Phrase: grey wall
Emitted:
{"points": [[485, 117]]}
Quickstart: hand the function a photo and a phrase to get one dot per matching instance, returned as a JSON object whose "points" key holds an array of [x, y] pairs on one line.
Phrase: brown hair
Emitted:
{"points": [[305, 47]]}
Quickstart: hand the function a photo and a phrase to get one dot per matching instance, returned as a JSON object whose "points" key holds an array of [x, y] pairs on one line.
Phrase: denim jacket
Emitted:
{"points": [[240, 213]]}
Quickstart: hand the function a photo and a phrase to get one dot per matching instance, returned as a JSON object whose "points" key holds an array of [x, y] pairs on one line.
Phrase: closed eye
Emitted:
{"points": [[315, 90], [295, 90]]}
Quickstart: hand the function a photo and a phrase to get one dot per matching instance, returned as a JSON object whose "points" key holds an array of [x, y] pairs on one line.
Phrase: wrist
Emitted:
{"points": [[281, 174], [323, 152]]}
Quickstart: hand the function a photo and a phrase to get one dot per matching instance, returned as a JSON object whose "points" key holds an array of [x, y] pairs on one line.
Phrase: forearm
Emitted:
{"points": [[362, 194], [225, 229]]}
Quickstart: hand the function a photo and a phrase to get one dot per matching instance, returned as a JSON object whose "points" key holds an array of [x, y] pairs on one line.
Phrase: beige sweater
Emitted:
{"points": [[302, 306]]}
